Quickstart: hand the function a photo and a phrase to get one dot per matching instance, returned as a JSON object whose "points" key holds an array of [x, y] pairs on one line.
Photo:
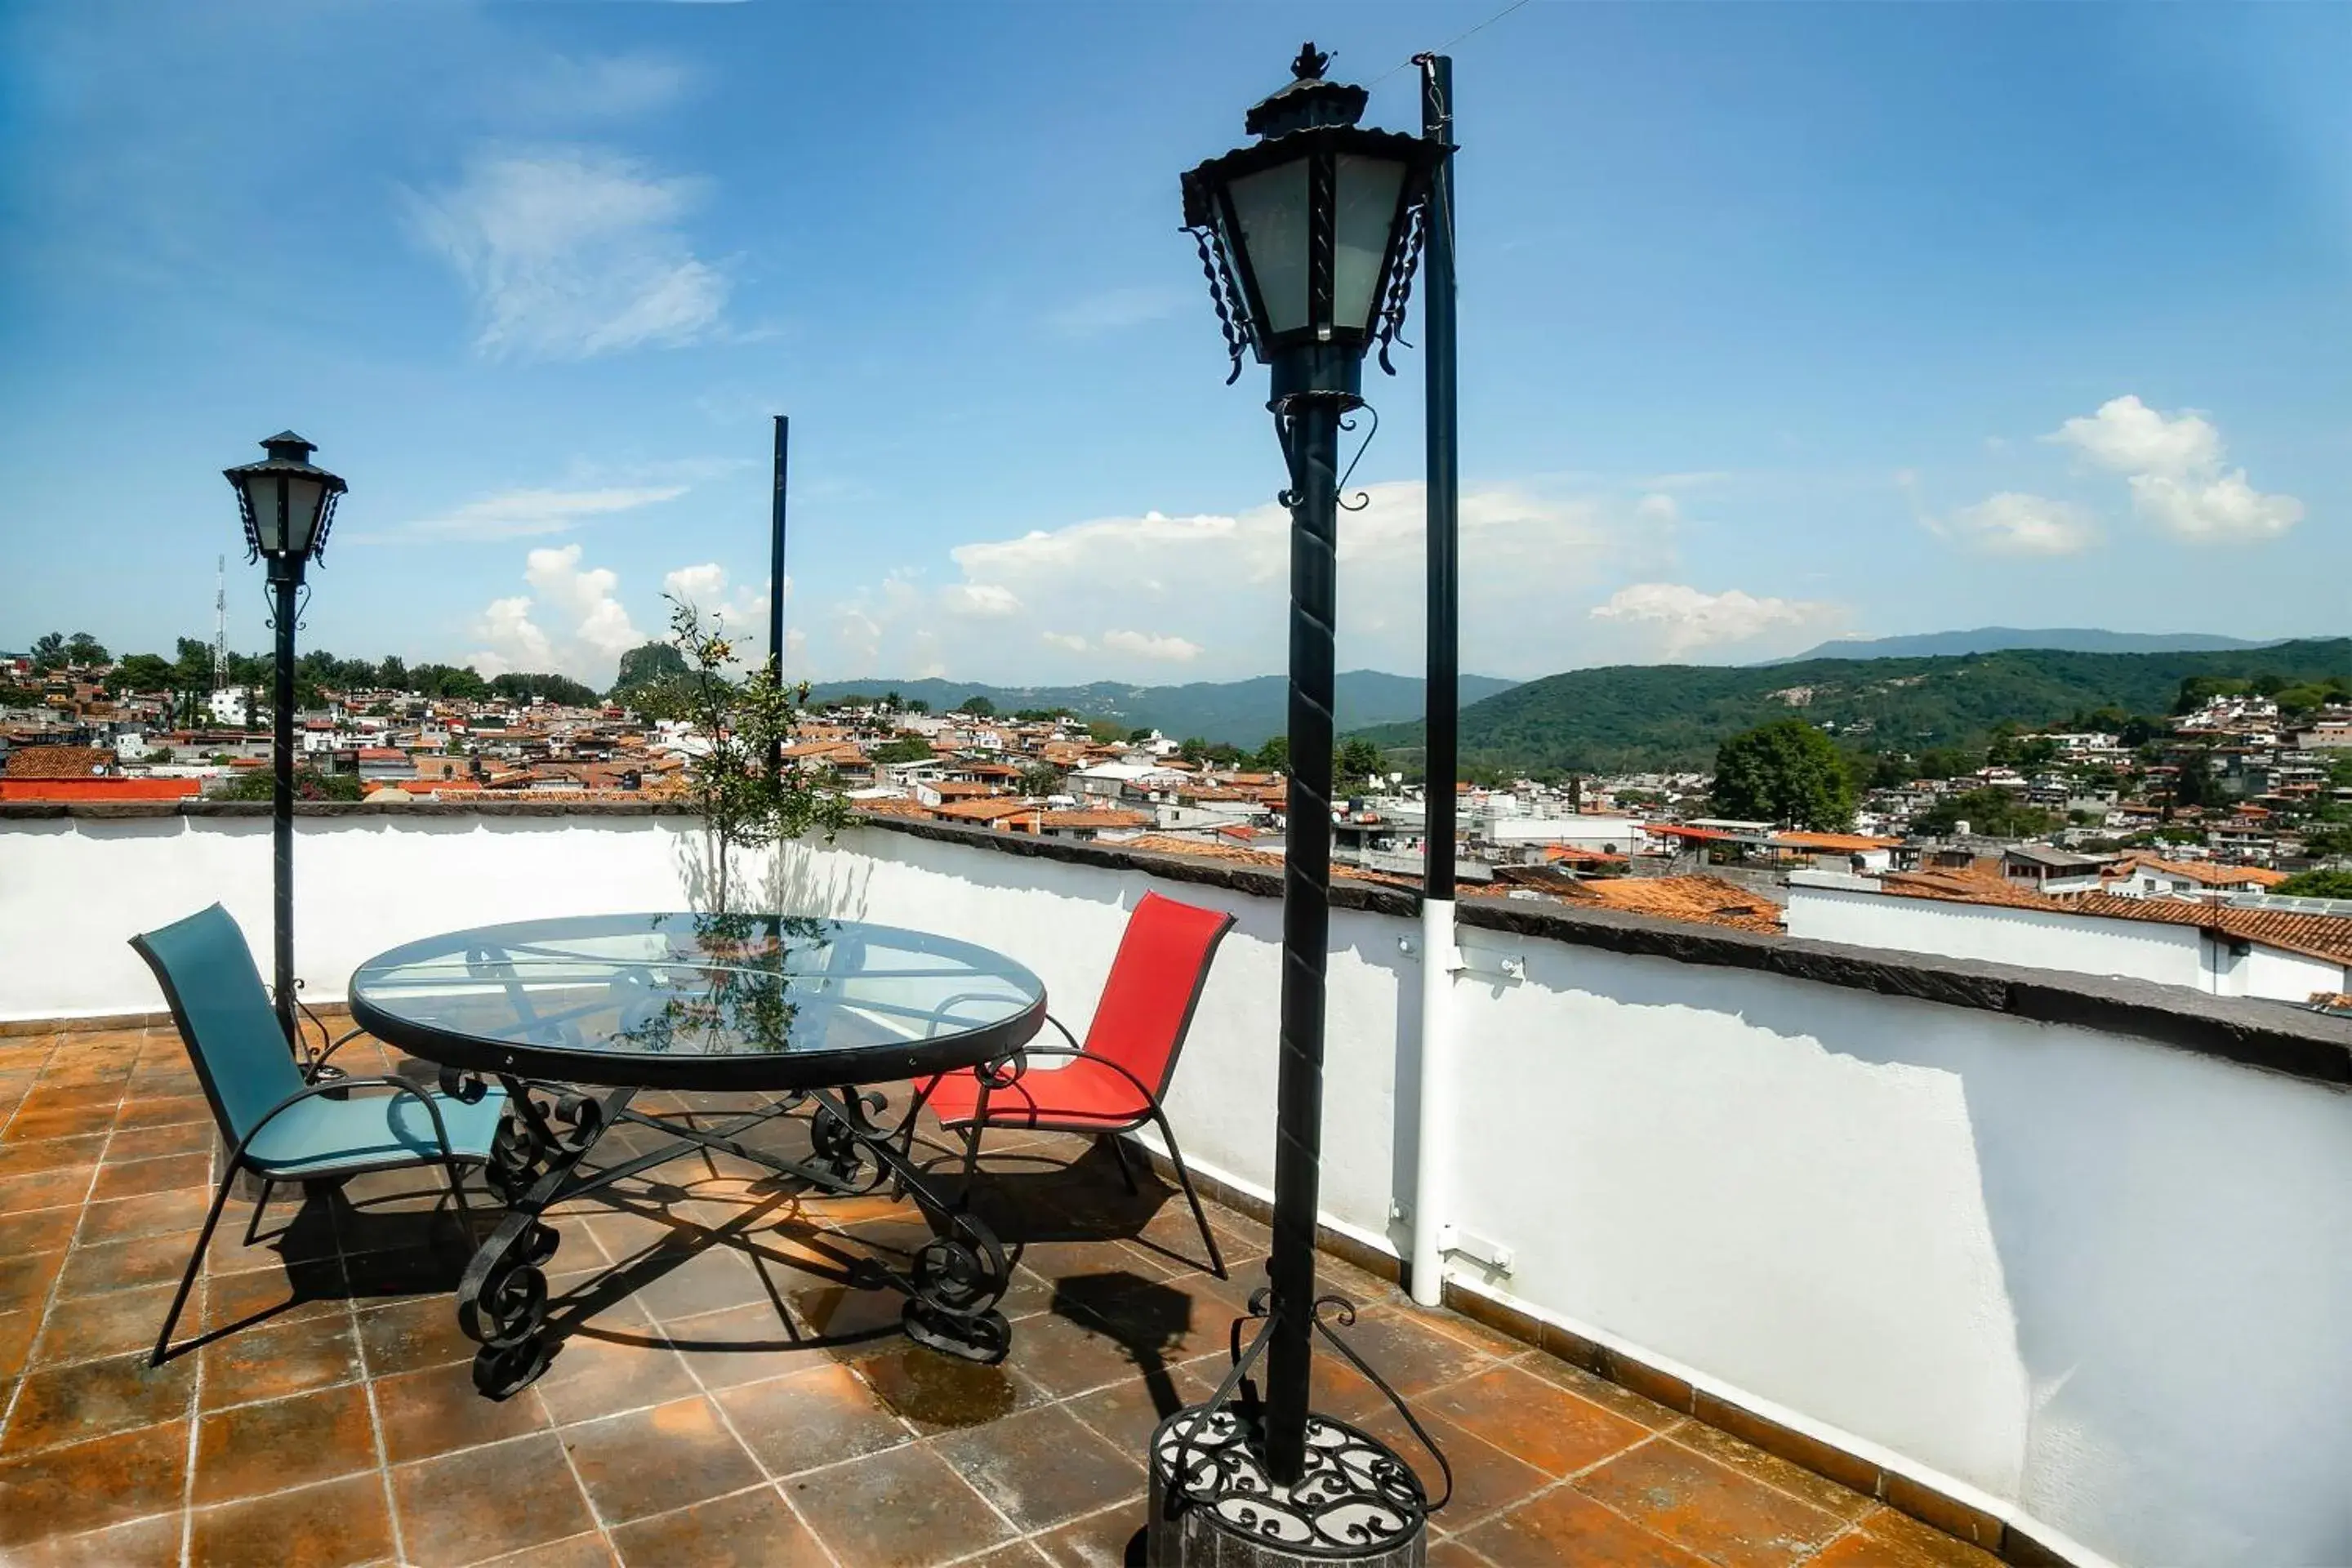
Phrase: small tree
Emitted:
{"points": [[309, 784], [1043, 778], [979, 707], [1785, 772], [1355, 763], [2316, 885], [736, 719]]}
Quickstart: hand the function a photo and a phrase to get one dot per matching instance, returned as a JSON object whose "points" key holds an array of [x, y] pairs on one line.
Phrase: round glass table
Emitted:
{"points": [[699, 1001], [573, 1017]]}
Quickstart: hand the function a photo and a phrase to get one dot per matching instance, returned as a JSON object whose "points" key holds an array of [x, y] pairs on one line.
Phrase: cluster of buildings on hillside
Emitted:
{"points": [[2193, 907], [2234, 777]]}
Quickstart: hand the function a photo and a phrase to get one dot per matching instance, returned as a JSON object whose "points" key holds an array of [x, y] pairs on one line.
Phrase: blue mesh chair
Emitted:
{"points": [[277, 1125]]}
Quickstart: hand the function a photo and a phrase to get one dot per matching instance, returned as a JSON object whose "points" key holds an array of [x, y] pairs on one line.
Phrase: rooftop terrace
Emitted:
{"points": [[726, 1394], [2053, 1262]]}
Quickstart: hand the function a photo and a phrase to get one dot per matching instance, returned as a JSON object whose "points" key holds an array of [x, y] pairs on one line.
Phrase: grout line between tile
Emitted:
{"points": [[769, 1478], [49, 1299], [375, 1418], [202, 1295]]}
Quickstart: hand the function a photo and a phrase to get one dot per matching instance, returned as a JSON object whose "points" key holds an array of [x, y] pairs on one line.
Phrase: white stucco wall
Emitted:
{"points": [[1996, 933], [1827, 907], [2098, 1281]]}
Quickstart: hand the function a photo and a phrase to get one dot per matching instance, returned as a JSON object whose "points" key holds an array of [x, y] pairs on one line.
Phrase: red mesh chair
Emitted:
{"points": [[1113, 1082]]}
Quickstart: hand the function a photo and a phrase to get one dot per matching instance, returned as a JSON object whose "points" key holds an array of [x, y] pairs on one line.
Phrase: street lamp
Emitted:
{"points": [[1308, 238], [289, 504]]}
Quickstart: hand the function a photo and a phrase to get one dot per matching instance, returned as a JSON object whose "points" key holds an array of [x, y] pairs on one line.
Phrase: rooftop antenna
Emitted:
{"points": [[220, 622]]}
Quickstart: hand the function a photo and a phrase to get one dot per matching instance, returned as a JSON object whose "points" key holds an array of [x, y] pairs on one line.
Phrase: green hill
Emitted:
{"points": [[1635, 717], [1242, 712]]}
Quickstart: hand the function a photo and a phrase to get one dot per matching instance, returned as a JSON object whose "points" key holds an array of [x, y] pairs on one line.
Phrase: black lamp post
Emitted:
{"points": [[1308, 238], [287, 504]]}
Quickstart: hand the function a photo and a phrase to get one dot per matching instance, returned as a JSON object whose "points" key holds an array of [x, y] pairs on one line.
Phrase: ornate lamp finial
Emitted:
{"points": [[1311, 62]]}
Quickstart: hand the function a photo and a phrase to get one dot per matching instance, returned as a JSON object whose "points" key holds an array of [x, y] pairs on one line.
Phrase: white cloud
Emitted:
{"points": [[984, 601], [2173, 466], [2214, 509], [2130, 437], [592, 629], [696, 583], [1143, 645], [519, 514], [2012, 523], [1685, 618], [1133, 595], [742, 609], [516, 642], [573, 252]]}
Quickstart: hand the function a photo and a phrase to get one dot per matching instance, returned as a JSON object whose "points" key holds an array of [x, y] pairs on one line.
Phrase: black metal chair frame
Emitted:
{"points": [[997, 1077]]}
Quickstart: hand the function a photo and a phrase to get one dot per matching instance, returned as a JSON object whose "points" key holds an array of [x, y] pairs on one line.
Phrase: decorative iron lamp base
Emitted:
{"points": [[1214, 1506]]}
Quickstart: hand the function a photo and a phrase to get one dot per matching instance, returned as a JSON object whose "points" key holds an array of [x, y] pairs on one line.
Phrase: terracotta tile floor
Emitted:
{"points": [[723, 1395]]}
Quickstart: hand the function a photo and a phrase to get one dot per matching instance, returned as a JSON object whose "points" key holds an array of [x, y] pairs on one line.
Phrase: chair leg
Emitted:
{"points": [[196, 1261], [253, 1225], [1118, 1147], [1200, 1215], [971, 1166], [457, 1191], [907, 1141]]}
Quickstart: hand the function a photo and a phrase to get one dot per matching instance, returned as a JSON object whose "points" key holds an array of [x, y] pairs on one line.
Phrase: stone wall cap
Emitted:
{"points": [[2276, 1035]]}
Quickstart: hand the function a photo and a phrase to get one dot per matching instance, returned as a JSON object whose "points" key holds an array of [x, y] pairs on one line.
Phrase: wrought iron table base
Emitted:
{"points": [[1214, 1499], [952, 1284]]}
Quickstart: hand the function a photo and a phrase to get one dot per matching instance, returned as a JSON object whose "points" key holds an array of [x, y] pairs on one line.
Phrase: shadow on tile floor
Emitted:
{"points": [[729, 1387]]}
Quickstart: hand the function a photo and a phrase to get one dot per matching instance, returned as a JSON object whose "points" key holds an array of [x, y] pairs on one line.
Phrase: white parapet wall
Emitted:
{"points": [[2094, 1283]]}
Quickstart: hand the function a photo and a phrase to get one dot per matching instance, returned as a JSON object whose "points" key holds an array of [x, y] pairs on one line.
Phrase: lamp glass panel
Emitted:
{"points": [[304, 496], [1271, 209], [1368, 192], [261, 493]]}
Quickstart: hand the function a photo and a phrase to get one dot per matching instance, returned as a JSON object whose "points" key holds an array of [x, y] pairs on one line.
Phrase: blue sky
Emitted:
{"points": [[1778, 324]]}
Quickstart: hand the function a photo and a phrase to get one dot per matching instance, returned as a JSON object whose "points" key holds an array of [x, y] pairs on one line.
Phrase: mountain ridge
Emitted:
{"points": [[2003, 639], [1648, 717], [1240, 712]]}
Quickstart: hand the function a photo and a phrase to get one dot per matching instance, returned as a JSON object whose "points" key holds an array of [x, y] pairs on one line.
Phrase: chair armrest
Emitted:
{"points": [[319, 1063], [336, 1086], [938, 1014], [1078, 1054]]}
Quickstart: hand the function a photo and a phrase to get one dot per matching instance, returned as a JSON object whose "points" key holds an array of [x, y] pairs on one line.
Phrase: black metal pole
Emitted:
{"points": [[1443, 695], [283, 584], [776, 580], [1313, 439]]}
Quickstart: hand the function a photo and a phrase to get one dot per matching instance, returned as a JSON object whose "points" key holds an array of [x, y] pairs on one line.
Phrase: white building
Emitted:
{"points": [[232, 705], [2205, 948]]}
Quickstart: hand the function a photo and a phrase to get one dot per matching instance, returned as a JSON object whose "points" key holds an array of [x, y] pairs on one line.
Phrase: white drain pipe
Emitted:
{"points": [[1440, 1072]]}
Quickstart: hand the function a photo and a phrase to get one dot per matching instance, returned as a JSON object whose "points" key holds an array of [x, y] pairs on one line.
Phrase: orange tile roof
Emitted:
{"points": [[1709, 901], [1168, 844], [58, 762], [1855, 842], [899, 806], [991, 812], [2208, 874], [1096, 819], [1970, 887]]}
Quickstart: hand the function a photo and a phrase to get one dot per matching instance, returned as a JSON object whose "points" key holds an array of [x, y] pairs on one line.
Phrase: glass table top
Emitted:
{"points": [[671, 988]]}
